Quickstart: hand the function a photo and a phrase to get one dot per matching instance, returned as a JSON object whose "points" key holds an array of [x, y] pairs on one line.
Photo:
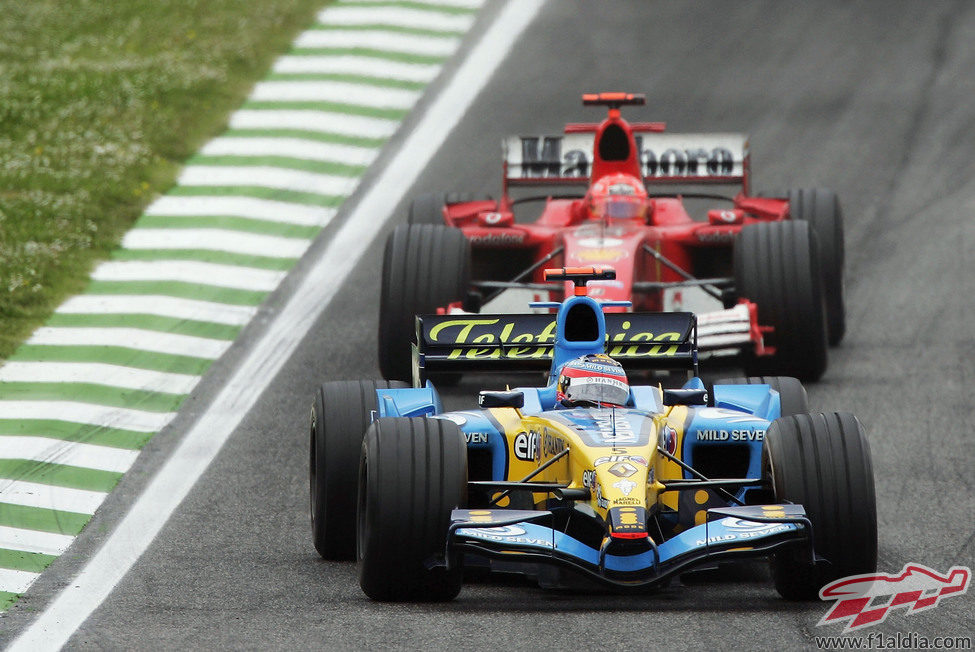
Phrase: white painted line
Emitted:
{"points": [[46, 543], [249, 207], [378, 39], [464, 4], [87, 413], [99, 374], [236, 242], [16, 581], [353, 65], [189, 271], [34, 494], [325, 122], [161, 306], [377, 97], [398, 16], [131, 338], [206, 437], [267, 177], [56, 451], [307, 150]]}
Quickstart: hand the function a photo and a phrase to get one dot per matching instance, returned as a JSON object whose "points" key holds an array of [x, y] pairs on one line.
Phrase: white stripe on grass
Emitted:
{"points": [[54, 451], [45, 496], [99, 374], [87, 413], [45, 543], [131, 338], [377, 97], [249, 207], [325, 122], [348, 16], [236, 242], [307, 150], [267, 177], [160, 306], [189, 271], [15, 581], [354, 65], [378, 39]]}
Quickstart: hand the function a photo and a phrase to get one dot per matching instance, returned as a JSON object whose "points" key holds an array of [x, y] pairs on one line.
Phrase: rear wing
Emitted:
{"points": [[664, 158], [525, 342]]}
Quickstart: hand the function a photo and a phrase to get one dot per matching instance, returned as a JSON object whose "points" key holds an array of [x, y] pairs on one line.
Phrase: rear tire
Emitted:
{"points": [[776, 267], [792, 395], [425, 267], [822, 462], [340, 414], [412, 473]]}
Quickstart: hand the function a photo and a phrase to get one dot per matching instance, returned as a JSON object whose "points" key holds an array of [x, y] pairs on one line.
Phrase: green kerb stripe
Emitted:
{"points": [[32, 562], [386, 27], [135, 399], [443, 9], [286, 162], [312, 199], [228, 222], [207, 256], [338, 139], [336, 107], [44, 520], [78, 432], [354, 79], [404, 57], [177, 364], [59, 475], [180, 289], [147, 322]]}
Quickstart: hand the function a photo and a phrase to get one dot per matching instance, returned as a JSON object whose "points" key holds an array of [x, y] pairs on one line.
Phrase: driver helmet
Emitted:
{"points": [[618, 197], [592, 380]]}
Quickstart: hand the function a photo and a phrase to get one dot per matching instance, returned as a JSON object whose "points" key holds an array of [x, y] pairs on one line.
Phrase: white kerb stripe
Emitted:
{"points": [[325, 122], [354, 65], [46, 543], [307, 150], [131, 338], [98, 374], [87, 413], [398, 16], [378, 97], [34, 494], [54, 451], [248, 207], [267, 177], [383, 40], [15, 581], [189, 271], [236, 242], [161, 306]]}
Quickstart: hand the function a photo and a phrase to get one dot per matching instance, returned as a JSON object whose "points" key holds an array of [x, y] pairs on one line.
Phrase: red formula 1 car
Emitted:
{"points": [[763, 273]]}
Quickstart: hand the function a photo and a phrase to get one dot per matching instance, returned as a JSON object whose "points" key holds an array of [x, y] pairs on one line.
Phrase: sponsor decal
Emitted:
{"points": [[744, 525], [612, 430], [599, 243], [626, 486], [589, 479], [476, 437], [526, 446], [552, 445], [623, 470], [600, 501], [716, 236], [492, 218], [456, 418], [506, 534], [606, 459], [744, 534], [603, 255], [626, 501], [866, 600], [497, 239], [503, 531], [728, 217], [668, 439], [731, 416], [731, 435]]}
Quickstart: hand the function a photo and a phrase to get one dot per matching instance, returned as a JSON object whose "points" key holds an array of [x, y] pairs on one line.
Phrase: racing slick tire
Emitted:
{"points": [[340, 415], [822, 462], [427, 208], [776, 266], [792, 395], [821, 208], [412, 473], [425, 267]]}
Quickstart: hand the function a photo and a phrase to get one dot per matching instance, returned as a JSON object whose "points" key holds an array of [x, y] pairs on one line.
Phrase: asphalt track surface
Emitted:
{"points": [[873, 99]]}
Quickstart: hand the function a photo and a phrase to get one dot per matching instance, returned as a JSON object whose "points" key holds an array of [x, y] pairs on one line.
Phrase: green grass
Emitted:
{"points": [[100, 103]]}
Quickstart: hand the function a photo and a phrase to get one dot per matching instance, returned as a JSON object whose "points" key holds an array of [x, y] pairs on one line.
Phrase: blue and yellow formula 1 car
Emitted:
{"points": [[587, 479]]}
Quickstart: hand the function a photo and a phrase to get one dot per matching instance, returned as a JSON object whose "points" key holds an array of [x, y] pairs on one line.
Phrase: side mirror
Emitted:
{"points": [[685, 397], [501, 399]]}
